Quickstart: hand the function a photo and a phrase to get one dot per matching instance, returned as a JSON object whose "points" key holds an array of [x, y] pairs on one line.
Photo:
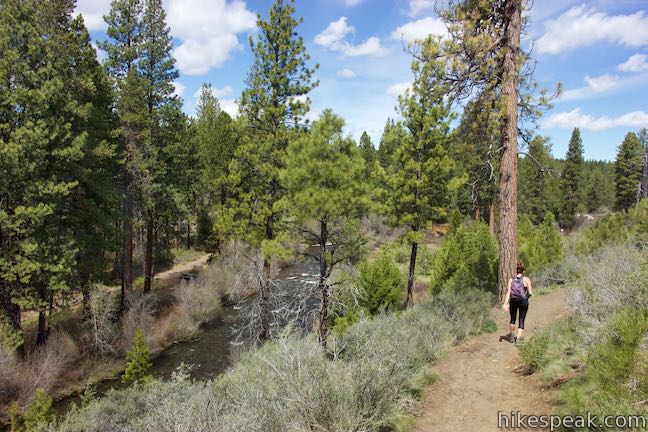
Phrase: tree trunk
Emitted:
{"points": [[84, 280], [409, 299], [127, 247], [508, 152], [491, 218], [264, 335], [148, 271], [477, 214], [323, 287], [188, 234]]}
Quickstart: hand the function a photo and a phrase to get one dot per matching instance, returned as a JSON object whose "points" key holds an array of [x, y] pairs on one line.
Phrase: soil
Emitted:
{"points": [[484, 376]]}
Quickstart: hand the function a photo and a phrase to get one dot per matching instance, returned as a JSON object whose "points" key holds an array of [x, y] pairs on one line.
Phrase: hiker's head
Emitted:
{"points": [[520, 267]]}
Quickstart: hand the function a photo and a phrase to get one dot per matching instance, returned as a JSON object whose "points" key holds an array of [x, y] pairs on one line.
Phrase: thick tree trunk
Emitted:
{"points": [[491, 218], [148, 271], [508, 152], [409, 299], [264, 334], [323, 287]]}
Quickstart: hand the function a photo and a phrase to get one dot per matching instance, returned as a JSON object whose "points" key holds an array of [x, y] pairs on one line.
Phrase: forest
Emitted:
{"points": [[106, 183]]}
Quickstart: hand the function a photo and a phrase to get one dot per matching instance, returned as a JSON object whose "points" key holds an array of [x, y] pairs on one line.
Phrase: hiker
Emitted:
{"points": [[517, 300]]}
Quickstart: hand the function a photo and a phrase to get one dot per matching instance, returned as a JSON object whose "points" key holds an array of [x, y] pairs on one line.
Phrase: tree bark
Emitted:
{"points": [[477, 214], [148, 271], [508, 152], [264, 335], [127, 266], [188, 234], [84, 280], [409, 299], [323, 287]]}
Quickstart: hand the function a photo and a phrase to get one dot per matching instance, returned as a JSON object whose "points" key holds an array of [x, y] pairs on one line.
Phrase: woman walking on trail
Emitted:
{"points": [[517, 300]]}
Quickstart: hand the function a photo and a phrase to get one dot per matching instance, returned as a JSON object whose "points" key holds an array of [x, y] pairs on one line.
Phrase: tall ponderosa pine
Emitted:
{"points": [[421, 172], [572, 180], [91, 205], [483, 55], [628, 170], [324, 177], [274, 102], [390, 140], [157, 68], [122, 49]]}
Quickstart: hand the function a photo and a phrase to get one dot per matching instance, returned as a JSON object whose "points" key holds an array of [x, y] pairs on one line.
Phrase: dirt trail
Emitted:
{"points": [[178, 269], [481, 377]]}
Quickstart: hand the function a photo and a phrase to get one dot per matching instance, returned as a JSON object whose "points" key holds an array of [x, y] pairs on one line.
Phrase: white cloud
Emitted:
{"points": [[398, 89], [207, 30], [417, 6], [594, 85], [217, 92], [93, 12], [346, 73], [575, 118], [581, 26], [636, 63], [101, 54], [230, 106], [333, 38], [178, 88], [420, 29]]}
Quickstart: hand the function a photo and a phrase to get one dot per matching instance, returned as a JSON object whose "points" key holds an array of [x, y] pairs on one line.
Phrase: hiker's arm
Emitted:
{"points": [[505, 305], [530, 287]]}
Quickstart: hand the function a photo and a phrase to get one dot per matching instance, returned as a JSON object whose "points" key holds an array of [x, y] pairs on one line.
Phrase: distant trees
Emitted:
{"points": [[572, 180], [539, 181], [628, 171]]}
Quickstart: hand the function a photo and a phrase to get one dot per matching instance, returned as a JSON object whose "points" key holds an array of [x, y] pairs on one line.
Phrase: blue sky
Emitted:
{"points": [[598, 49]]}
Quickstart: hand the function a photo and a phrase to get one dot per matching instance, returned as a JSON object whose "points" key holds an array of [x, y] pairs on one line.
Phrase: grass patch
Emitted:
{"points": [[184, 255]]}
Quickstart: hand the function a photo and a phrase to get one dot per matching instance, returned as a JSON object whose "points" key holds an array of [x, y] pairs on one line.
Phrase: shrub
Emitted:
{"points": [[289, 384], [466, 259], [612, 229], [138, 361], [380, 285], [40, 413]]}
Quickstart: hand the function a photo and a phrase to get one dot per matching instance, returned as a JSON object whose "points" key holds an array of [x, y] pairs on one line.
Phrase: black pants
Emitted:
{"points": [[522, 306]]}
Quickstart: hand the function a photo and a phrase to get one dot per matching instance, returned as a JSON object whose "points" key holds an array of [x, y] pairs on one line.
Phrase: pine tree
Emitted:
{"points": [[324, 175], [422, 169], [628, 170], [392, 136], [123, 48], [274, 102], [538, 183], [217, 138], [571, 180], [157, 69], [40, 412], [367, 149], [138, 361]]}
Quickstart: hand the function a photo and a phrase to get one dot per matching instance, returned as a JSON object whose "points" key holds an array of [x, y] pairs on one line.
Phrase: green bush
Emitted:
{"points": [[40, 413], [138, 361], [380, 285], [615, 228], [541, 246], [466, 259], [615, 372]]}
